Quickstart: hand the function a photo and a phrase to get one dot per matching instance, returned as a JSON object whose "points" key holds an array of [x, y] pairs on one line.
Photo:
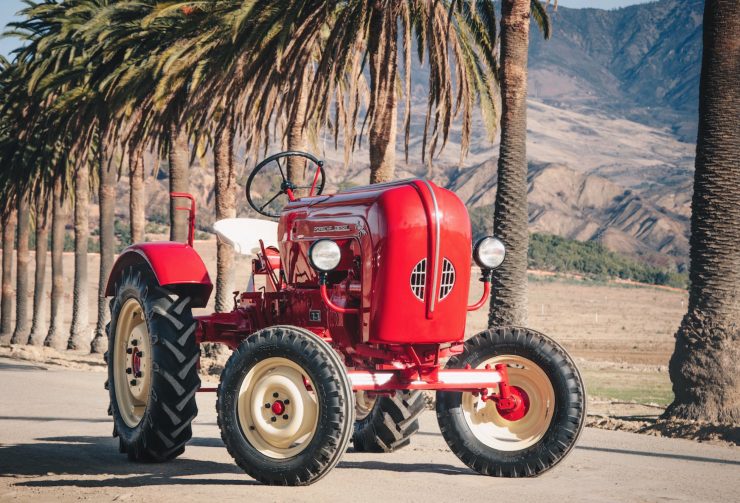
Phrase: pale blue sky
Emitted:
{"points": [[9, 7]]}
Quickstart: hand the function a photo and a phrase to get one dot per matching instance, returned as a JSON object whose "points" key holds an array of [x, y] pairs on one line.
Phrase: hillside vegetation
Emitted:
{"points": [[590, 258]]}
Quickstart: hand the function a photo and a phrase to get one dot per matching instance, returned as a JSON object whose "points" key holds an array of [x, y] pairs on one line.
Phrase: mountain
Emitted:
{"points": [[642, 62]]}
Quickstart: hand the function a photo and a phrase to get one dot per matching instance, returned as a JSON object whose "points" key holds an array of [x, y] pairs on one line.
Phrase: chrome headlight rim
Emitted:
{"points": [[320, 258], [485, 249]]}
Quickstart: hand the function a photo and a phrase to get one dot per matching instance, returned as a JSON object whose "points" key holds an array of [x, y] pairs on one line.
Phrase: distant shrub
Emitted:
{"points": [[590, 258]]}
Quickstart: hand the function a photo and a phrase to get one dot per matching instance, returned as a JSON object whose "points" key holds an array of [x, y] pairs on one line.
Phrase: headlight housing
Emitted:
{"points": [[489, 252], [324, 255]]}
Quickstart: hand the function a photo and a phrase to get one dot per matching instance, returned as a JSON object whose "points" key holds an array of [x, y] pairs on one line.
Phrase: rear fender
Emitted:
{"points": [[175, 265]]}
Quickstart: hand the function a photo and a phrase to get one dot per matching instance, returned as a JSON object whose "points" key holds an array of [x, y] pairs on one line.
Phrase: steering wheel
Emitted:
{"points": [[268, 182]]}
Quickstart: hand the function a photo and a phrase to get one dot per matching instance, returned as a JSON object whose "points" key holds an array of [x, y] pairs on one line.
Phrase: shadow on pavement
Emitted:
{"points": [[18, 366], [682, 457], [436, 468], [91, 456], [46, 419]]}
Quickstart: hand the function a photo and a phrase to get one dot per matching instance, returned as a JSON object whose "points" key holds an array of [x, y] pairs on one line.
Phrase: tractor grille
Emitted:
{"points": [[419, 279], [448, 279]]}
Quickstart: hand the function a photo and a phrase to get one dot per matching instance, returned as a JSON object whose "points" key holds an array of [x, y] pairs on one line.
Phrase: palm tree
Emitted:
{"points": [[38, 330], [58, 225], [79, 333], [225, 188], [137, 194], [107, 203], [509, 299], [23, 259], [455, 38], [8, 292], [704, 365]]}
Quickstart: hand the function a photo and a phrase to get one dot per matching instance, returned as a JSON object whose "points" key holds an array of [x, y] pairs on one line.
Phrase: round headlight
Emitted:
{"points": [[324, 255], [489, 252]]}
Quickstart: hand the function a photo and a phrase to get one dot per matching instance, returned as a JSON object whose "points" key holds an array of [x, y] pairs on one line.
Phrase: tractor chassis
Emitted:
{"points": [[378, 370]]}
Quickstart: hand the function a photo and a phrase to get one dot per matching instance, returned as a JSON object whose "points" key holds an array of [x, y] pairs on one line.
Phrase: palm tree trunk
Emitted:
{"points": [[297, 134], [23, 259], [79, 334], [509, 299], [38, 330], [179, 157], [704, 365], [6, 305], [223, 154], [58, 225], [137, 201], [107, 202], [383, 48]]}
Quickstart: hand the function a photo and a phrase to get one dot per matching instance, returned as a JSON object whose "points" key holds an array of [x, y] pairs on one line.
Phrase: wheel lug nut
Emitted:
{"points": [[138, 374], [267, 406], [129, 351], [128, 370], [273, 419], [140, 354], [285, 416], [286, 401], [135, 342], [275, 394], [133, 382]]}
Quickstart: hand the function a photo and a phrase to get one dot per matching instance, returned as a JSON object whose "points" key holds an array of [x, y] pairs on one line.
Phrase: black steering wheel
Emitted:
{"points": [[269, 181]]}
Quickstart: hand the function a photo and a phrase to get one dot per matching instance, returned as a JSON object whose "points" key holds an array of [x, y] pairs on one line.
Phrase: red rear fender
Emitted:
{"points": [[175, 265]]}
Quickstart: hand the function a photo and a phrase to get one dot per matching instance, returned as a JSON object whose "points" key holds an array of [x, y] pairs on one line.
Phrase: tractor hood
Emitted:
{"points": [[411, 242]]}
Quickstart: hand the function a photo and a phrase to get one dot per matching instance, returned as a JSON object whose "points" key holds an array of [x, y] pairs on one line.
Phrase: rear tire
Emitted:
{"points": [[152, 411], [285, 406], [389, 423], [500, 444]]}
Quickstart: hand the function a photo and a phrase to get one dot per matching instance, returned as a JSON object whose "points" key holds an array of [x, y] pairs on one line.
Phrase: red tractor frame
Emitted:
{"points": [[355, 306]]}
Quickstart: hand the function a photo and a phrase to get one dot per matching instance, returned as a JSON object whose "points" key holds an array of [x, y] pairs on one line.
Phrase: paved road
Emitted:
{"points": [[55, 445]]}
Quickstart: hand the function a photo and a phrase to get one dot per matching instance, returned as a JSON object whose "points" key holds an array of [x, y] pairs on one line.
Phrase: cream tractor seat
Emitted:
{"points": [[244, 235]]}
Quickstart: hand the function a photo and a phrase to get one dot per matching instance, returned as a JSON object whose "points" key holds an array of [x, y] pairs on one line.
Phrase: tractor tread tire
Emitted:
{"points": [[331, 382], [568, 417], [165, 427], [390, 424]]}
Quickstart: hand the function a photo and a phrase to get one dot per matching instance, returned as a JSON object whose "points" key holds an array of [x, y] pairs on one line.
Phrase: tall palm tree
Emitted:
{"points": [[58, 226], [510, 220], [23, 260], [107, 174], [79, 333], [704, 365], [38, 328], [8, 292], [225, 189], [454, 38], [137, 194]]}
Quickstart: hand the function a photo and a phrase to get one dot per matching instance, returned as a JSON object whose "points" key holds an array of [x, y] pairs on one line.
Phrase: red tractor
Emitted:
{"points": [[356, 303]]}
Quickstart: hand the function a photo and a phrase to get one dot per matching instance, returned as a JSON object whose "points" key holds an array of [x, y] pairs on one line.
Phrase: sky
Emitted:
{"points": [[9, 7]]}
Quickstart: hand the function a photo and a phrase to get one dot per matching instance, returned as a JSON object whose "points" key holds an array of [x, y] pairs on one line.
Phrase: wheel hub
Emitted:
{"points": [[277, 412], [132, 363], [517, 406], [523, 418]]}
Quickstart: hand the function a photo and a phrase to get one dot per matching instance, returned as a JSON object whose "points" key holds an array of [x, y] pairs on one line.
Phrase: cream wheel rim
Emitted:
{"points": [[488, 425], [132, 363], [364, 404], [277, 412]]}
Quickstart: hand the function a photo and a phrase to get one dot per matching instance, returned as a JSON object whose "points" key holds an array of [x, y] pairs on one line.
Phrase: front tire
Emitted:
{"points": [[152, 367], [285, 406], [532, 439]]}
